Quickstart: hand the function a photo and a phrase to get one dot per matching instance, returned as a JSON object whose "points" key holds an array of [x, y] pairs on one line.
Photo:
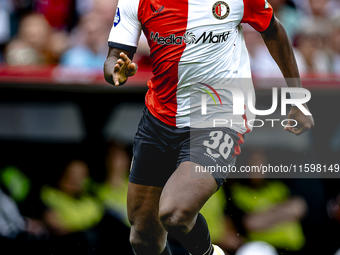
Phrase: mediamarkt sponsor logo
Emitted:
{"points": [[170, 40], [213, 38], [189, 38]]}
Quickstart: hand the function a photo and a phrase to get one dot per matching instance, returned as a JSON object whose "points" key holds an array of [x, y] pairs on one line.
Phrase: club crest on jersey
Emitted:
{"points": [[220, 10]]}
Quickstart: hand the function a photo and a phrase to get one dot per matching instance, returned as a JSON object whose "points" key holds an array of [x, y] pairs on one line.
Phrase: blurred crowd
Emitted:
{"points": [[74, 213], [68, 33], [313, 27], [71, 212], [73, 33]]}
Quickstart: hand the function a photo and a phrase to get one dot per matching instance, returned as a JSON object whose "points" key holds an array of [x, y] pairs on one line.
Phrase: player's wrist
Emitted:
{"points": [[294, 95]]}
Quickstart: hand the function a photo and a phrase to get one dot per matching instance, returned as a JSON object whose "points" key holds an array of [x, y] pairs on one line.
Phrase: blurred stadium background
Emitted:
{"points": [[66, 136]]}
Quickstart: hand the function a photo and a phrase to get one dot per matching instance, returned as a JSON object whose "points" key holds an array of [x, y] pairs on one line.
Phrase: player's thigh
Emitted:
{"points": [[191, 185], [184, 195], [142, 207]]}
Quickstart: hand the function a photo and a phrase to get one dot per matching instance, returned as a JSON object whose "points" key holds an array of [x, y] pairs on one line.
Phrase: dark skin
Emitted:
{"points": [[156, 211], [280, 48], [118, 66]]}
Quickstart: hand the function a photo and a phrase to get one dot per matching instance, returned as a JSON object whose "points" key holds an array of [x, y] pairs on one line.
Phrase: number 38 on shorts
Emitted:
{"points": [[221, 143], [211, 146]]}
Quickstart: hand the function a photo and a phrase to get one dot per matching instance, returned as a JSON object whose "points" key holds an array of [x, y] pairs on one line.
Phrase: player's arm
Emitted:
{"points": [[279, 46], [118, 66], [123, 42]]}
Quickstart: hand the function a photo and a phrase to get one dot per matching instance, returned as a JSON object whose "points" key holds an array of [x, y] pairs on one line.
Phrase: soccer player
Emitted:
{"points": [[188, 39]]}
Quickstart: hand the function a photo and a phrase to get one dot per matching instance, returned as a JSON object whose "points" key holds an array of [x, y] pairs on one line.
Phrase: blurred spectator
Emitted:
{"points": [[113, 192], [58, 44], [263, 210], [84, 6], [14, 237], [19, 53], [261, 62], [35, 43], [58, 13], [11, 222], [17, 233], [318, 7], [70, 209], [312, 53], [321, 8], [71, 214], [333, 9], [315, 53], [105, 8], [333, 209], [288, 15], [90, 50]]}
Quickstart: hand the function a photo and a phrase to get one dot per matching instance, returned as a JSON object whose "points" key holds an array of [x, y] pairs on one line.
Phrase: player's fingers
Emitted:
{"points": [[116, 79], [132, 68], [117, 68], [120, 62], [116, 74], [299, 131], [289, 129], [124, 57]]}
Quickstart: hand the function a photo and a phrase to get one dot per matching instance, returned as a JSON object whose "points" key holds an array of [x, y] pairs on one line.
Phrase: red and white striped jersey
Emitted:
{"points": [[188, 39]]}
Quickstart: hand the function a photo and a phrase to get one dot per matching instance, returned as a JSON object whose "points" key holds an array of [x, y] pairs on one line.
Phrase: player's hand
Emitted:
{"points": [[305, 122], [123, 69]]}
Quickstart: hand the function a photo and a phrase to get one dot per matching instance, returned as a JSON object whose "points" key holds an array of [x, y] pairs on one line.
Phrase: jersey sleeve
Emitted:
{"points": [[126, 27], [258, 13]]}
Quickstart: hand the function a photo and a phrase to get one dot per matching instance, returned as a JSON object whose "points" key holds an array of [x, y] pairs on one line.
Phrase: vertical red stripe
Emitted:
{"points": [[161, 97]]}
